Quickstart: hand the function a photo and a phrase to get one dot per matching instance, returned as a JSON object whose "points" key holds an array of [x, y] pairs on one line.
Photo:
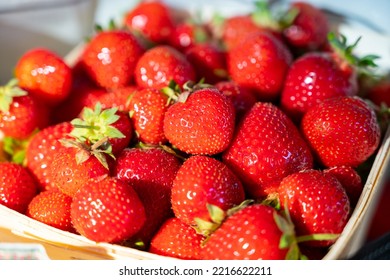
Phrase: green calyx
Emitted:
{"points": [[92, 133], [290, 241], [344, 50], [263, 16], [96, 124], [7, 94], [217, 216]]}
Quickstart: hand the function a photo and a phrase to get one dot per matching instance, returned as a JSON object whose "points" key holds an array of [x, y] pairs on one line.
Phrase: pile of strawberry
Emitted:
{"points": [[241, 138]]}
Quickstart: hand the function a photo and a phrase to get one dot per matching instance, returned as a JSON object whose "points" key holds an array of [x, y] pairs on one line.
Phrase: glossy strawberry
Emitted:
{"points": [[161, 64], [52, 208], [20, 113], [350, 179], [203, 123], [250, 234], [317, 203], [260, 62], [110, 58], [209, 62], [147, 109], [42, 149], [17, 186], [107, 210], [178, 240], [187, 34], [150, 171], [267, 147], [69, 175], [45, 75], [313, 78], [203, 181], [341, 131], [243, 99], [152, 20], [309, 28]]}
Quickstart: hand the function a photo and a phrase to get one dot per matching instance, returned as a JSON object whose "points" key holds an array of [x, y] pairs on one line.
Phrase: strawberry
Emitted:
{"points": [[68, 174], [20, 113], [110, 57], [250, 234], [209, 62], [117, 98], [152, 20], [307, 83], [52, 208], [188, 33], [17, 186], [379, 224], [161, 64], [341, 131], [107, 210], [178, 240], [308, 28], [150, 171], [317, 203], [260, 62], [203, 181], [267, 147], [350, 179], [42, 149], [235, 28], [202, 123], [379, 93], [243, 99], [45, 75], [147, 108]]}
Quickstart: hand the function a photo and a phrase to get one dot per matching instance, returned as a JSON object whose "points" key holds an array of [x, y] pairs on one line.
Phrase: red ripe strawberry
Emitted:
{"points": [[151, 19], [20, 113], [260, 62], [308, 82], [66, 174], [267, 147], [317, 203], [203, 181], [150, 171], [243, 99], [117, 98], [110, 58], [209, 62], [235, 28], [379, 224], [309, 29], [186, 34], [177, 240], [17, 186], [52, 208], [107, 210], [42, 149], [201, 124], [380, 93], [161, 64], [147, 108], [44, 75], [349, 179], [250, 234], [341, 131]]}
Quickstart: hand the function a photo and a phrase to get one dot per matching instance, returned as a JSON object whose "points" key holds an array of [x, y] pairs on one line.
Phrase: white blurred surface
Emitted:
{"points": [[64, 23]]}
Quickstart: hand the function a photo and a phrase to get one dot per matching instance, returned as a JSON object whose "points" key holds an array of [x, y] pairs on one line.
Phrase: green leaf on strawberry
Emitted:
{"points": [[8, 92]]}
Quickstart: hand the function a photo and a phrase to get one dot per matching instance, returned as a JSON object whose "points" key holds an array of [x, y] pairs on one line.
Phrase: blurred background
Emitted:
{"points": [[61, 24]]}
